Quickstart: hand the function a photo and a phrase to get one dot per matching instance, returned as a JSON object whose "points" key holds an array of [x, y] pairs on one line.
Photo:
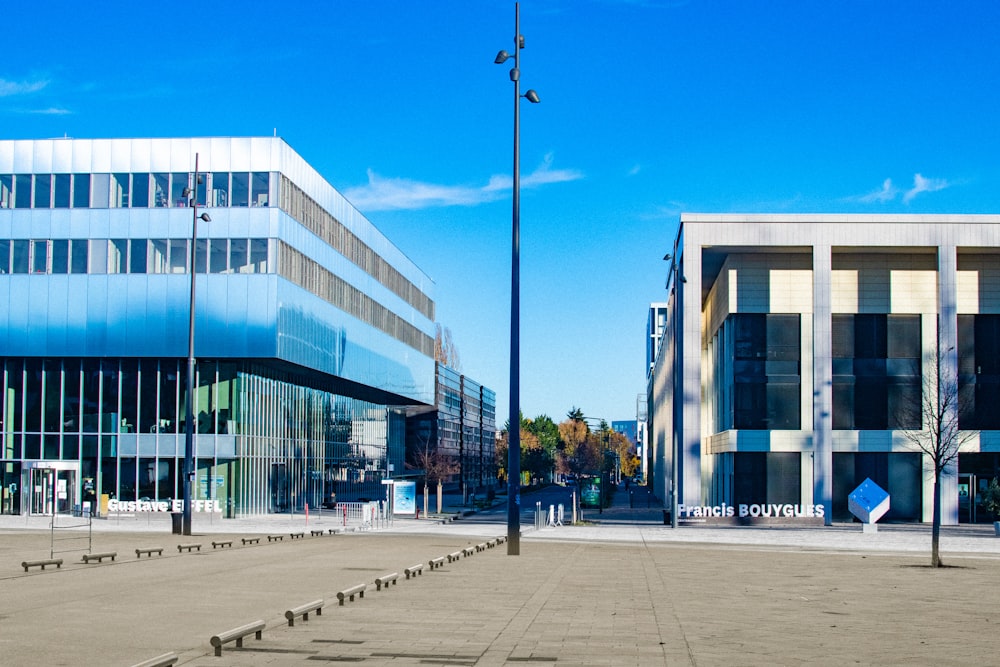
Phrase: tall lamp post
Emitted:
{"points": [[674, 280], [189, 399], [514, 432]]}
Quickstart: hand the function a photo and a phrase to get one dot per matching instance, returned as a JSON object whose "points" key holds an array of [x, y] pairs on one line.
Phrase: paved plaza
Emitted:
{"points": [[620, 589]]}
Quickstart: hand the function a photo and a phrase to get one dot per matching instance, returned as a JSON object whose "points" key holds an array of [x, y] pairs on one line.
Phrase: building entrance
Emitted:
{"points": [[971, 489], [51, 490]]}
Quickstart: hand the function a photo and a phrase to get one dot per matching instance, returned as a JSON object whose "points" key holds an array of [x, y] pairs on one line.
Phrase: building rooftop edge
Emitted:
{"points": [[842, 218]]}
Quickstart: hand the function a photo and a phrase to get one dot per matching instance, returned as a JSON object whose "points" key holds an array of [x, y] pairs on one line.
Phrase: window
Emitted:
{"points": [[261, 186], [62, 191], [765, 371], [4, 256], [43, 191], [100, 190], [238, 256], [220, 189], [39, 256], [137, 256], [99, 256], [178, 184], [140, 190], [219, 255], [6, 190], [241, 189], [60, 256], [979, 371], [161, 190], [876, 371], [119, 190], [117, 255], [78, 256], [178, 255], [258, 255], [22, 191], [81, 190]]}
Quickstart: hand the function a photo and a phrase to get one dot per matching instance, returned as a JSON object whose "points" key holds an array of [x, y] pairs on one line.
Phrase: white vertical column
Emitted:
{"points": [[689, 289], [948, 349], [822, 386]]}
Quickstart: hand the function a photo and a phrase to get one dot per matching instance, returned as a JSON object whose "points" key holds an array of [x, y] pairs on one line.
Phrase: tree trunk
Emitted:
{"points": [[936, 522]]}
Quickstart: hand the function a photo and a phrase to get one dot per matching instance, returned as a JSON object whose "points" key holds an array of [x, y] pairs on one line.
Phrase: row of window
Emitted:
{"points": [[330, 287], [316, 219], [127, 190], [99, 256]]}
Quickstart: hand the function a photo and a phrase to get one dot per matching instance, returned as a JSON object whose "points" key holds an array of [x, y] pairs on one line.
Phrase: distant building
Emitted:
{"points": [[793, 345], [313, 332], [460, 427]]}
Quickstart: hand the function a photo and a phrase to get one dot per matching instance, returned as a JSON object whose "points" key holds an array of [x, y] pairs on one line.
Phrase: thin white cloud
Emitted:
{"points": [[635, 170], [51, 111], [11, 88], [385, 194], [921, 185], [886, 193]]}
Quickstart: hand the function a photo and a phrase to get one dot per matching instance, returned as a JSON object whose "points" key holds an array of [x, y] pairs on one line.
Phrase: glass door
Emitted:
{"points": [[50, 490]]}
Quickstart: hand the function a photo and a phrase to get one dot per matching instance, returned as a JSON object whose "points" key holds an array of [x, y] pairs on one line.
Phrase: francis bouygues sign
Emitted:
{"points": [[750, 512]]}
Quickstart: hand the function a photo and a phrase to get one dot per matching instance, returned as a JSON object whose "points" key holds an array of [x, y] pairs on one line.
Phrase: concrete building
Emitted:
{"points": [[795, 348], [313, 332]]}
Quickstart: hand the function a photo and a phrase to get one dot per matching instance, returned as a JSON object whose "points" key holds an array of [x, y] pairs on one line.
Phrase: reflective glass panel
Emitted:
{"points": [[178, 183], [178, 255], [20, 253], [62, 191], [140, 190], [39, 256], [22, 191], [161, 190], [100, 190], [81, 190], [99, 256], [220, 189], [137, 256], [261, 183], [60, 256], [6, 190], [78, 256], [119, 191], [241, 189], [4, 256], [43, 190]]}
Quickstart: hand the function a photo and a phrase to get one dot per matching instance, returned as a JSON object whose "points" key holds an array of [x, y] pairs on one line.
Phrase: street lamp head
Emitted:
{"points": [[502, 57], [205, 217], [666, 258], [532, 96]]}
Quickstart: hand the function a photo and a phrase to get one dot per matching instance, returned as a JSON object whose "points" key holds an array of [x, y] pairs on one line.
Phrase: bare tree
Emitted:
{"points": [[940, 437]]}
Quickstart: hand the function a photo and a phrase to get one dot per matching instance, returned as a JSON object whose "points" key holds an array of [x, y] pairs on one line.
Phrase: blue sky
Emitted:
{"points": [[649, 108]]}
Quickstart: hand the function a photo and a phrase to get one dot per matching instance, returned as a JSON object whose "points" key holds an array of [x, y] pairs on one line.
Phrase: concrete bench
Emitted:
{"points": [[296, 536], [42, 563], [385, 580], [437, 562], [481, 546], [250, 540], [303, 611], [222, 544], [188, 547], [490, 544], [165, 660], [468, 551], [99, 557], [349, 593], [414, 570], [275, 538], [316, 533], [452, 557], [501, 539], [255, 628], [149, 552], [334, 531]]}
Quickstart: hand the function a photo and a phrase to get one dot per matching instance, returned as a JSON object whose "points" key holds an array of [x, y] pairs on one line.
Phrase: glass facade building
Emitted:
{"points": [[461, 429], [313, 332]]}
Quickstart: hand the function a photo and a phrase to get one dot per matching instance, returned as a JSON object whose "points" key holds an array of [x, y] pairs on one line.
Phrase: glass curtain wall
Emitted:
{"points": [[265, 442]]}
